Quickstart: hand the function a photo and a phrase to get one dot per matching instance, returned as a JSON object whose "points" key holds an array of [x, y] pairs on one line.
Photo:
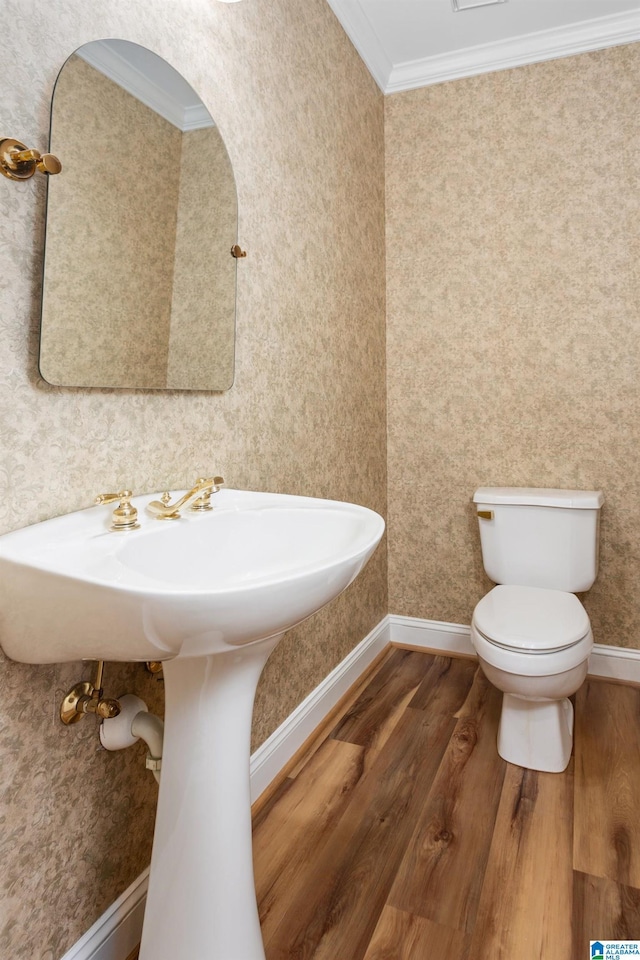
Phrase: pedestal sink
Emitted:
{"points": [[211, 595]]}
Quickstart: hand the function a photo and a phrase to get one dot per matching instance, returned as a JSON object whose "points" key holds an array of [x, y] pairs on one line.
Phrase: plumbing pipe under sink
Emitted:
{"points": [[133, 723]]}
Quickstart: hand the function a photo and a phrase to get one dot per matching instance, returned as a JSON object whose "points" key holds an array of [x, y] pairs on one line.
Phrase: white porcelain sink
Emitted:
{"points": [[211, 594], [252, 567]]}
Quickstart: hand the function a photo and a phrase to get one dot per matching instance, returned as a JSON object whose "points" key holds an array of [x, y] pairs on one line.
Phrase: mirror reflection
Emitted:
{"points": [[139, 282]]}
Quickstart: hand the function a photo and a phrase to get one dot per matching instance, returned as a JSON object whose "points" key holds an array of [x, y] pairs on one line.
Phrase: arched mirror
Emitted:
{"points": [[139, 281]]}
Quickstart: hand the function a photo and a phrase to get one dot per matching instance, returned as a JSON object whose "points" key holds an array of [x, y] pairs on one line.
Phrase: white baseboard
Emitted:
{"points": [[118, 930], [614, 663], [430, 635], [606, 662]]}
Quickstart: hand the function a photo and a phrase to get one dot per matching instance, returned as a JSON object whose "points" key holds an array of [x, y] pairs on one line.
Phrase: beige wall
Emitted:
{"points": [[306, 413], [513, 254]]}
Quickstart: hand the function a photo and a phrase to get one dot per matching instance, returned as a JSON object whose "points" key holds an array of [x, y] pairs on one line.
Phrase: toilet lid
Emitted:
{"points": [[531, 618]]}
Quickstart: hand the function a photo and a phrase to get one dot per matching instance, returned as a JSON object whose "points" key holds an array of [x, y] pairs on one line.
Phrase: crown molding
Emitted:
{"points": [[104, 59], [196, 118], [358, 28], [596, 34], [536, 47]]}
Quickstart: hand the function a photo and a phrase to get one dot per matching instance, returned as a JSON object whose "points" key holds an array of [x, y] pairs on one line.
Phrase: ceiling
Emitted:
{"points": [[413, 43]]}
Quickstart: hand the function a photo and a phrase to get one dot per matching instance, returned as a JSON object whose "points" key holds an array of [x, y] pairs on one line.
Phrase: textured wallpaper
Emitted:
{"points": [[303, 123], [513, 252]]}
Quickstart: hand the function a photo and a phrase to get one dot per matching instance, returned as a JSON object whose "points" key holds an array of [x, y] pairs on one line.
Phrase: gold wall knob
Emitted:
{"points": [[17, 162], [49, 164]]}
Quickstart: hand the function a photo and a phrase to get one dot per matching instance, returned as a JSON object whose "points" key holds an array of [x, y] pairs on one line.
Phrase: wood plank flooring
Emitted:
{"points": [[412, 839], [402, 835]]}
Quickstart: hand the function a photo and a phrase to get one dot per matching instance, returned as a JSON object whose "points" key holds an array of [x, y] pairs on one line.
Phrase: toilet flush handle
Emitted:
{"points": [[485, 514]]}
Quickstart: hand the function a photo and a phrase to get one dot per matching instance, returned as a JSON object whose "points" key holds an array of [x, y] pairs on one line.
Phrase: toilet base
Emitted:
{"points": [[536, 734]]}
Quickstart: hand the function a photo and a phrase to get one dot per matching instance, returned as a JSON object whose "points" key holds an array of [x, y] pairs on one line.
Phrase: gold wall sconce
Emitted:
{"points": [[17, 162]]}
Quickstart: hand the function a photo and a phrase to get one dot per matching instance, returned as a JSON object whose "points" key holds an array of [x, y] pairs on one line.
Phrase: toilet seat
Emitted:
{"points": [[531, 631], [531, 620]]}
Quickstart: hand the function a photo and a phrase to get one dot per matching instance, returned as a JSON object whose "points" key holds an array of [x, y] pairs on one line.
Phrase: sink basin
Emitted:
{"points": [[210, 594], [254, 566]]}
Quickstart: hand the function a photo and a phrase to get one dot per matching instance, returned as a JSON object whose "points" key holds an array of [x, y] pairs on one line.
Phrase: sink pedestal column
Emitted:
{"points": [[201, 903]]}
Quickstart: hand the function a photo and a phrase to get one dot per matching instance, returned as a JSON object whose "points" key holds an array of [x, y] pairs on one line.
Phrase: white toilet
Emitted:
{"points": [[531, 634]]}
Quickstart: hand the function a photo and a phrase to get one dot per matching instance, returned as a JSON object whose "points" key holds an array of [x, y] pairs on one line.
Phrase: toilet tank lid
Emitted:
{"points": [[540, 497]]}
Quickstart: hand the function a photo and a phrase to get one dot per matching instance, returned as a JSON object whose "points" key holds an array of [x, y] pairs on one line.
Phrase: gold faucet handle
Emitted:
{"points": [[204, 500], [200, 493], [214, 482], [112, 497], [125, 516]]}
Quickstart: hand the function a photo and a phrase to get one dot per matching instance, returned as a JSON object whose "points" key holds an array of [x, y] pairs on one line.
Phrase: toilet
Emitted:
{"points": [[532, 635]]}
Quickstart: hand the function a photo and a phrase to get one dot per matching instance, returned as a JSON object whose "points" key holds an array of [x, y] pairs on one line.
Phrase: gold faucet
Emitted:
{"points": [[125, 516], [200, 494]]}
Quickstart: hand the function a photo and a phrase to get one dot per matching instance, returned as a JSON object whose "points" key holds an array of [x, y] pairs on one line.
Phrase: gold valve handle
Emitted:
{"points": [[125, 516], [86, 697], [17, 162], [204, 500], [163, 509], [112, 497], [107, 708]]}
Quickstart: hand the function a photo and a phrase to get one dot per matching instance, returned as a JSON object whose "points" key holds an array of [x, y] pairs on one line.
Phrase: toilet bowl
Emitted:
{"points": [[531, 633], [533, 644]]}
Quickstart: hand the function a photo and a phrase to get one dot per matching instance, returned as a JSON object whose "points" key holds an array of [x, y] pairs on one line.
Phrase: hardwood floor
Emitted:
{"points": [[406, 837], [402, 835]]}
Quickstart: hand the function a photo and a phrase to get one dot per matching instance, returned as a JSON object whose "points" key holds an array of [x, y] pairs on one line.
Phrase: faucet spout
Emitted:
{"points": [[200, 494]]}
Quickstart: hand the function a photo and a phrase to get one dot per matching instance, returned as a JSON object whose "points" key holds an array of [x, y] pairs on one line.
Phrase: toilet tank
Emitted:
{"points": [[535, 537]]}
